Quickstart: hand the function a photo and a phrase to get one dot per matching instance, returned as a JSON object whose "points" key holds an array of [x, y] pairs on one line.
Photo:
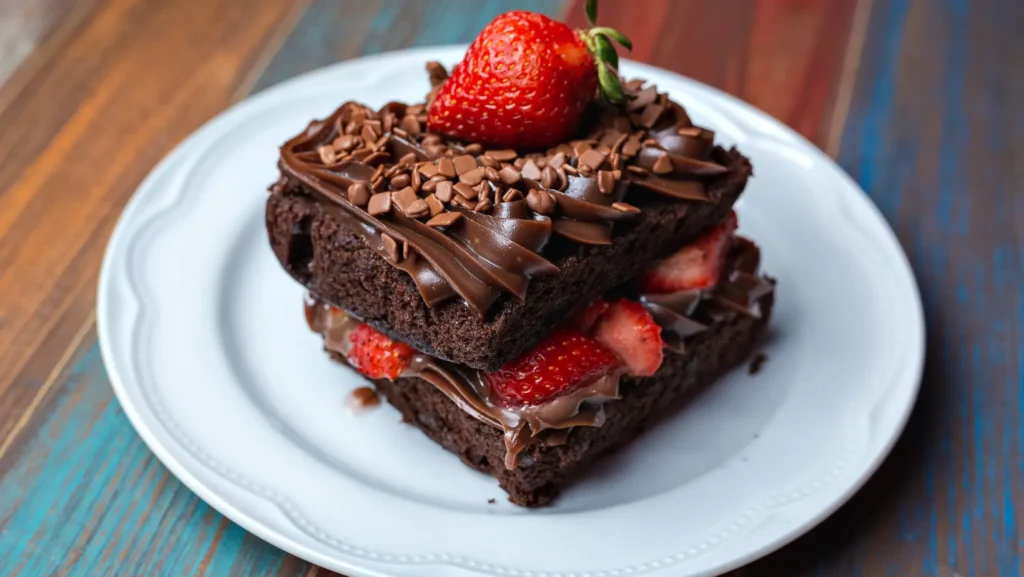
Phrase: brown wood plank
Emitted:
{"points": [[80, 132], [784, 56]]}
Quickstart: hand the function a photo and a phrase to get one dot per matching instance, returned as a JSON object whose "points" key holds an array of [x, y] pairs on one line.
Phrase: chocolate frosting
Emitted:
{"points": [[680, 315], [382, 174]]}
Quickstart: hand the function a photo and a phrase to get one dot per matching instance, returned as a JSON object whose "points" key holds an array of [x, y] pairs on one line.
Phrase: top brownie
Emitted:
{"points": [[474, 255]]}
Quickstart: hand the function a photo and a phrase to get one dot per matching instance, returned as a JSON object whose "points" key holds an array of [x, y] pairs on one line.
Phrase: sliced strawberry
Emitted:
{"points": [[631, 333], [563, 362], [696, 266], [585, 318], [375, 355]]}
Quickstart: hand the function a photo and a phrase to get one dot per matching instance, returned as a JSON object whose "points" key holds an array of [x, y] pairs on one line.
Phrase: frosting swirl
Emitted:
{"points": [[680, 315], [468, 222]]}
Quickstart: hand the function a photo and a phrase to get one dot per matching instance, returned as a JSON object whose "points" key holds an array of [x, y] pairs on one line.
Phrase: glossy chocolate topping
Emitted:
{"points": [[466, 221], [680, 315]]}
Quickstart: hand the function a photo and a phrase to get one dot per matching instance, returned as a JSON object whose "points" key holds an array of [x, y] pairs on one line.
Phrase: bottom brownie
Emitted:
{"points": [[543, 470]]}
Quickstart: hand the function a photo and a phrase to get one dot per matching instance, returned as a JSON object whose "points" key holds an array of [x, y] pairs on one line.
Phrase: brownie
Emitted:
{"points": [[544, 471], [331, 259]]}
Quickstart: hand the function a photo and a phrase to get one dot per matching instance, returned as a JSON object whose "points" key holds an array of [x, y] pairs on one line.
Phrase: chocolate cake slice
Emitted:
{"points": [[535, 451], [473, 255]]}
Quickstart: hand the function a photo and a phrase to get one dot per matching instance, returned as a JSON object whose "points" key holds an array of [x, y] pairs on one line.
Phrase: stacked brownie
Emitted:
{"points": [[457, 278]]}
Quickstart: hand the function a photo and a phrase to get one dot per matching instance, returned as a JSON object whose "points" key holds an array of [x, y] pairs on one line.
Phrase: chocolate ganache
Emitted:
{"points": [[466, 221], [680, 315]]}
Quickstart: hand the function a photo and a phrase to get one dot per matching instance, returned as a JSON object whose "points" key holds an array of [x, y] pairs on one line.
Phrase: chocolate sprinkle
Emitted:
{"points": [[444, 219], [379, 204]]}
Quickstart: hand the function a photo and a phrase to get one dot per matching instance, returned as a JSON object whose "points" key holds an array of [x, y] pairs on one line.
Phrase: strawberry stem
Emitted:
{"points": [[598, 40]]}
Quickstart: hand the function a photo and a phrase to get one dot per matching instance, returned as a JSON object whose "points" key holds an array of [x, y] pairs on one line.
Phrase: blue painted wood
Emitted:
{"points": [[83, 495], [934, 136]]}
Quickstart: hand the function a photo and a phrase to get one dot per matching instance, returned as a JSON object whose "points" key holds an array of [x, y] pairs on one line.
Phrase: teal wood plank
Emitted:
{"points": [[80, 494], [935, 134]]}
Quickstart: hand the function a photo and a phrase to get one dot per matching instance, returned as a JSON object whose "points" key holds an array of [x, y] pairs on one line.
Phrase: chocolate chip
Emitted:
{"points": [[637, 169], [643, 98], [444, 191], [444, 219], [497, 195], [418, 208], [471, 177], [437, 73], [416, 180], [400, 181], [570, 169], [504, 155], [389, 122], [617, 174], [489, 161], [651, 115], [540, 201], [428, 169], [484, 205], [359, 194], [663, 165], [492, 175], [509, 176], [519, 163], [473, 149], [557, 160], [379, 156], [352, 128], [446, 167], [617, 145], [531, 170], [624, 207], [586, 170], [463, 202], [368, 134], [327, 154], [548, 177], [690, 131], [346, 142], [608, 137], [431, 139], [390, 247], [404, 198], [410, 124], [435, 205], [650, 142], [512, 195], [614, 160], [465, 191], [463, 164], [631, 147], [400, 132], [435, 150], [580, 147], [482, 189], [409, 159], [379, 203], [591, 158], [429, 186], [360, 153], [605, 181]]}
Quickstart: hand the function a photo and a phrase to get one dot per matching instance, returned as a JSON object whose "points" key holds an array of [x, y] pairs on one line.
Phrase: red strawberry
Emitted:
{"points": [[375, 355], [525, 82], [584, 319], [564, 361], [695, 266], [631, 333]]}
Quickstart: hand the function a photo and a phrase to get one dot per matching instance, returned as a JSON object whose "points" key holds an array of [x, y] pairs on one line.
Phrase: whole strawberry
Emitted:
{"points": [[526, 80]]}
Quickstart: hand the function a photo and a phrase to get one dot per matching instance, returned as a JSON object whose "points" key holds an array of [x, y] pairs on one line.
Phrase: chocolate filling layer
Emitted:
{"points": [[681, 315], [471, 222]]}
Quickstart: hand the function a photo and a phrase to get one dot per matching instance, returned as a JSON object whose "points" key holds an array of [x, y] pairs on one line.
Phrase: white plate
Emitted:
{"points": [[230, 390]]}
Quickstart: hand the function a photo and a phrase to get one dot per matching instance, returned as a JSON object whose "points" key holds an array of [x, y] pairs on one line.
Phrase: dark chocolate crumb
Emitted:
{"points": [[758, 363]]}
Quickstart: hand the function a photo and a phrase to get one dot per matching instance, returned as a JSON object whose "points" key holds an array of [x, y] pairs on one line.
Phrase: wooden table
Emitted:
{"points": [[922, 101]]}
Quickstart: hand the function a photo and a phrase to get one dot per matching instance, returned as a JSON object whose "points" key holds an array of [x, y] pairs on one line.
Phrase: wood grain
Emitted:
{"points": [[785, 57], [921, 101]]}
